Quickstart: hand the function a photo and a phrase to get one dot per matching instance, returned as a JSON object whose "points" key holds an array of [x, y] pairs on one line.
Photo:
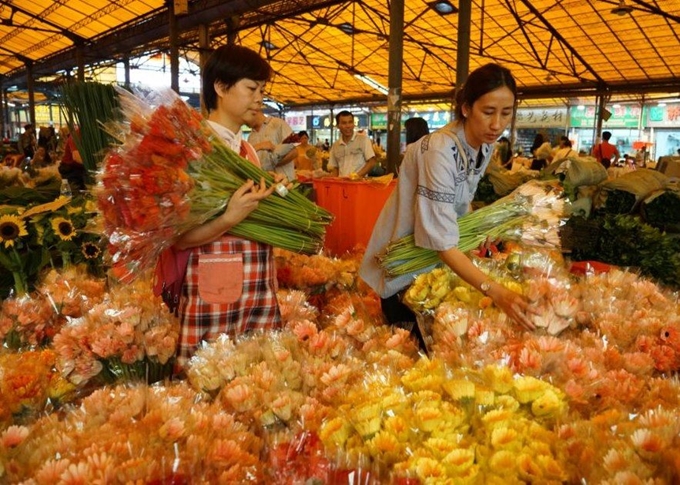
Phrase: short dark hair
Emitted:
{"points": [[481, 81], [606, 135], [344, 112], [416, 128], [303, 133], [227, 65]]}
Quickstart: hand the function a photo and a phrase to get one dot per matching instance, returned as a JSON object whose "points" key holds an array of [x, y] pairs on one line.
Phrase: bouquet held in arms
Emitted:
{"points": [[172, 173], [530, 213]]}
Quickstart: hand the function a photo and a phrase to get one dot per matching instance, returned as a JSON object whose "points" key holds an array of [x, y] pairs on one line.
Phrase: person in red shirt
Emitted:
{"points": [[71, 166], [605, 151]]}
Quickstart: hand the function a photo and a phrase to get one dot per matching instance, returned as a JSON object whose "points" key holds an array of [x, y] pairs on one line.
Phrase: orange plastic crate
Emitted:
{"points": [[356, 206]]}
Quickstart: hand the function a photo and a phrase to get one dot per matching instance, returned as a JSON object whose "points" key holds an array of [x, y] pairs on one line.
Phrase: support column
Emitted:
{"points": [[30, 87], [463, 60], [80, 61], [203, 53], [232, 23], [3, 120], [174, 50], [396, 56], [126, 68], [601, 102]]}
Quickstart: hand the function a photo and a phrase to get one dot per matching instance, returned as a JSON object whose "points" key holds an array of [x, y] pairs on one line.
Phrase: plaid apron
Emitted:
{"points": [[230, 287]]}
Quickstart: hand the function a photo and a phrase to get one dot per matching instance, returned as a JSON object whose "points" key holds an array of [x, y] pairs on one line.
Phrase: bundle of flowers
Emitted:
{"points": [[539, 275], [531, 213], [128, 336], [620, 447], [133, 434], [172, 173], [631, 337], [30, 386], [434, 424], [61, 295], [316, 273], [58, 233]]}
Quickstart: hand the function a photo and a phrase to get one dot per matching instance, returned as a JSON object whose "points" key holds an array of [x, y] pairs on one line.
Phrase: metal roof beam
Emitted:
{"points": [[562, 40]]}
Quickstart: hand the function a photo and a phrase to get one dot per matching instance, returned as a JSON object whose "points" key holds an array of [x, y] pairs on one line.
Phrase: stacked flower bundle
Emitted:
{"points": [[134, 434], [126, 337], [172, 173], [336, 396], [30, 322]]}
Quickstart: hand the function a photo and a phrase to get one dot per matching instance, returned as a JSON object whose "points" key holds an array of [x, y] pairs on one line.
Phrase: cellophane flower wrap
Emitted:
{"points": [[171, 173]]}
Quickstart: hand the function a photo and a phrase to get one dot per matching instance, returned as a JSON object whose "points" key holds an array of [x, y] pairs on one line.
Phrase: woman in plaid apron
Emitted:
{"points": [[230, 283]]}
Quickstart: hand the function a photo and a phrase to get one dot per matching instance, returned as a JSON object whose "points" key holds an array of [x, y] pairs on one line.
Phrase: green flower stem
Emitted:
{"points": [[20, 280], [496, 220]]}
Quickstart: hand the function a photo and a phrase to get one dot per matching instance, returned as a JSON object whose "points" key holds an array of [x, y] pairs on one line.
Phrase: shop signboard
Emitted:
{"points": [[664, 116], [326, 122], [435, 119], [297, 122], [319, 122], [378, 121], [541, 118], [622, 117]]}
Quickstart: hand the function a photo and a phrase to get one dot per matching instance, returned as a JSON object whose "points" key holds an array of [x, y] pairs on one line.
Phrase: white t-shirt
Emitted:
{"points": [[275, 130], [350, 157]]}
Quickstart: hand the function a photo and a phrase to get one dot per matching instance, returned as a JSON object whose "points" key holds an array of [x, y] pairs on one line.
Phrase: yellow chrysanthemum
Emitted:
{"points": [[11, 229], [500, 378], [429, 468], [439, 447], [528, 388], [529, 471], [551, 468], [458, 461], [385, 447], [460, 389], [503, 462], [505, 438], [484, 397], [334, 432], [548, 404], [63, 228]]}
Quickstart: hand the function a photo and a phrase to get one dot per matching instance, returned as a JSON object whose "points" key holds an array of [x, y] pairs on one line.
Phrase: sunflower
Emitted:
{"points": [[11, 228], [63, 228], [90, 250]]}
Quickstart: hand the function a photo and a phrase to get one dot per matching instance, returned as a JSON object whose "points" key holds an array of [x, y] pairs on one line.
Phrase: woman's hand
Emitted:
{"points": [[514, 305], [245, 200]]}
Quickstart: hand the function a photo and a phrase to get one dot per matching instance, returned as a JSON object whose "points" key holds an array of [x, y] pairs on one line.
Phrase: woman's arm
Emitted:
{"points": [[242, 202], [511, 303]]}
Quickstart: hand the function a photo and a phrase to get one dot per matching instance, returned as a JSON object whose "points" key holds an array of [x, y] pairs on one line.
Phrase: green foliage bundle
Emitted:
{"points": [[89, 106], [625, 240], [662, 209]]}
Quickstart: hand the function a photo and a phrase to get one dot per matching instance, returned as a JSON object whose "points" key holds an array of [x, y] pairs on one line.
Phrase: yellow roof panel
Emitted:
{"points": [[558, 46]]}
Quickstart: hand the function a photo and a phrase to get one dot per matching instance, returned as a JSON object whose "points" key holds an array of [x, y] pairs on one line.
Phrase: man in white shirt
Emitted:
{"points": [[267, 139], [353, 152]]}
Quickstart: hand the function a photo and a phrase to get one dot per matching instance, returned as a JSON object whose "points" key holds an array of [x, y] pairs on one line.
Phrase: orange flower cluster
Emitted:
{"points": [[29, 382], [144, 188]]}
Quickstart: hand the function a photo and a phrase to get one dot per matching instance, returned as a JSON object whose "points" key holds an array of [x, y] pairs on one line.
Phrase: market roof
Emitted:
{"points": [[321, 50]]}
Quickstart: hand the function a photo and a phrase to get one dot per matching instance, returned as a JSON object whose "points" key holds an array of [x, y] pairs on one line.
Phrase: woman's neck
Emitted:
{"points": [[232, 125]]}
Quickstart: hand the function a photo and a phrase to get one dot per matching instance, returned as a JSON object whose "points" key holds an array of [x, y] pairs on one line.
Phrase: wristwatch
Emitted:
{"points": [[485, 287]]}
